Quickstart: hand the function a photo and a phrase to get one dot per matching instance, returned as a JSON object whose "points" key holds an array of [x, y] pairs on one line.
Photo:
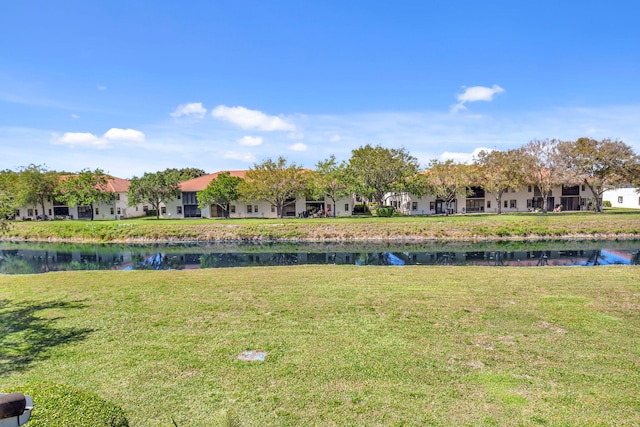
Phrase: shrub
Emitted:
{"points": [[62, 405], [606, 203], [384, 211]]}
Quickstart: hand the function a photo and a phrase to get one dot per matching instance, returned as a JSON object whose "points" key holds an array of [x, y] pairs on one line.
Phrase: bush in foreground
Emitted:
{"points": [[62, 405]]}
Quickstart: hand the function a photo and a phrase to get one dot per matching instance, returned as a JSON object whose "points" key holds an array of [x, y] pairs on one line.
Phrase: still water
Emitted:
{"points": [[28, 258]]}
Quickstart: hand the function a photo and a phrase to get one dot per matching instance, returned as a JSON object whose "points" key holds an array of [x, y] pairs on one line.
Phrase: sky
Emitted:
{"points": [[140, 86]]}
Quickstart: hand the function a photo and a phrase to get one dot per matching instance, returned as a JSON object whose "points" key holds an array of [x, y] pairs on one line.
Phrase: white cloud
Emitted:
{"points": [[250, 141], [193, 109], [298, 147], [116, 134], [243, 157], [80, 139], [474, 94], [462, 157], [251, 119], [75, 116], [102, 87], [335, 138]]}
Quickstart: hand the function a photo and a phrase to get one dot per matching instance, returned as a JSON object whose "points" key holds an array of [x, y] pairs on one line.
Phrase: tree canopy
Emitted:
{"points": [[9, 188], [154, 188], [599, 164], [276, 182], [37, 184], [542, 166], [221, 191], [447, 180], [499, 171], [85, 189], [185, 174], [376, 171], [329, 179]]}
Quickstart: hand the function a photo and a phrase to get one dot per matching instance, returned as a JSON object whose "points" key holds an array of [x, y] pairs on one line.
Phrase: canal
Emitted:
{"points": [[29, 258]]}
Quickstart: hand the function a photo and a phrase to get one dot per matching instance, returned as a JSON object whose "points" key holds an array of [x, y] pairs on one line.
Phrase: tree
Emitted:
{"points": [[8, 202], [276, 182], [600, 165], [221, 191], [38, 185], [329, 179], [447, 180], [542, 166], [85, 189], [185, 174], [498, 172], [376, 171], [154, 188]]}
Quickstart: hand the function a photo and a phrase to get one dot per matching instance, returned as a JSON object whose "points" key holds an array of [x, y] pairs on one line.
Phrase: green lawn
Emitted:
{"points": [[347, 345], [615, 223]]}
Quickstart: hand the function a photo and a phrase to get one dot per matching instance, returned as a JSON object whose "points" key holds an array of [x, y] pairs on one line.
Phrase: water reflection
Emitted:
{"points": [[25, 258]]}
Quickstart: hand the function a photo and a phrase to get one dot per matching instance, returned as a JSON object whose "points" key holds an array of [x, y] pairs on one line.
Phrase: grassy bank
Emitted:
{"points": [[584, 225], [347, 345]]}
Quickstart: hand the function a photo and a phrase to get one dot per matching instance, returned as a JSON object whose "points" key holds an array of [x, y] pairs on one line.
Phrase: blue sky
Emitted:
{"points": [[139, 86]]}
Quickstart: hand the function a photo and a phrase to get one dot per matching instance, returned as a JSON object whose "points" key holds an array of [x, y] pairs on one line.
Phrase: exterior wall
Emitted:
{"points": [[240, 208], [628, 197], [120, 208], [516, 201]]}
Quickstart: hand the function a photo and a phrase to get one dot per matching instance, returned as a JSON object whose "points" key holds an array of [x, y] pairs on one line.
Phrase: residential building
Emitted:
{"points": [[118, 209], [186, 204], [524, 199], [625, 197]]}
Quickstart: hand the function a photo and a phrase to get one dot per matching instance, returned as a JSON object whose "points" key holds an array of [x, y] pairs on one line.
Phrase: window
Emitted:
{"points": [[36, 211], [512, 204], [255, 209], [50, 212], [346, 207], [513, 190], [17, 212], [249, 209], [582, 201], [112, 211], [414, 206], [582, 187], [232, 209], [118, 196], [506, 203], [273, 208], [529, 189], [119, 211], [190, 198], [97, 211], [179, 196], [29, 212], [619, 201], [136, 209], [488, 204], [145, 208], [179, 210], [432, 206], [163, 210]]}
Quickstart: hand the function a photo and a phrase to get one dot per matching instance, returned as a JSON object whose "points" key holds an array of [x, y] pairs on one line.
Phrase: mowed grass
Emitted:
{"points": [[347, 345], [614, 223]]}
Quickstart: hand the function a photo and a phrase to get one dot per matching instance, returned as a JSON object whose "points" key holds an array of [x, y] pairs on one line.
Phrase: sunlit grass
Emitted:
{"points": [[347, 345], [615, 223]]}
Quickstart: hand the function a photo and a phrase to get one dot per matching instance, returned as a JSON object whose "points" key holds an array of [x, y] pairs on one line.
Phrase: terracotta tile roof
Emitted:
{"points": [[118, 185], [200, 183], [114, 184]]}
